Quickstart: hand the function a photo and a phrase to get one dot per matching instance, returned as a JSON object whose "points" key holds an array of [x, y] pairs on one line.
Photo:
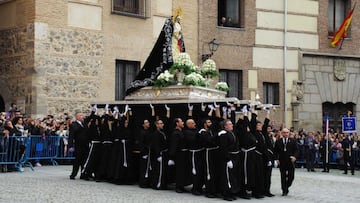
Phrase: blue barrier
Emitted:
{"points": [[64, 153], [12, 152], [332, 158], [22, 151], [42, 148]]}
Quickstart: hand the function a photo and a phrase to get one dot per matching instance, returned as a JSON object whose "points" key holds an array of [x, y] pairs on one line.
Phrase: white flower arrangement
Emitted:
{"points": [[183, 62], [208, 68], [223, 86], [194, 79], [164, 79]]}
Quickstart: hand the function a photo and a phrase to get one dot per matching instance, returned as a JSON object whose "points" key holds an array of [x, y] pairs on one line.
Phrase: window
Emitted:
{"points": [[337, 11], [231, 13], [234, 80], [125, 73], [271, 93], [138, 8]]}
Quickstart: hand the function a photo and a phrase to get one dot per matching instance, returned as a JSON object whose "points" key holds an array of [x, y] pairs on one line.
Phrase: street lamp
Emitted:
{"points": [[213, 46]]}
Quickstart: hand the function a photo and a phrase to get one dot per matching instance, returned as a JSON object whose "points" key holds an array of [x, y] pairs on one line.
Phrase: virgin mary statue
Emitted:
{"points": [[168, 45]]}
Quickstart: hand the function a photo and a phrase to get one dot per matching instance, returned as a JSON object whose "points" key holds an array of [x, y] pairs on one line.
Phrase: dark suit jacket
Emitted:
{"points": [[284, 155], [78, 135]]}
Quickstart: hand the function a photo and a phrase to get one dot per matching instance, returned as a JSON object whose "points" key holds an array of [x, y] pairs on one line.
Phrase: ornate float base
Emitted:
{"points": [[176, 92]]}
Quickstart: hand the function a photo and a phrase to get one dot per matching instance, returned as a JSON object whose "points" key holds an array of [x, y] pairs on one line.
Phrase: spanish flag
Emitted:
{"points": [[341, 33]]}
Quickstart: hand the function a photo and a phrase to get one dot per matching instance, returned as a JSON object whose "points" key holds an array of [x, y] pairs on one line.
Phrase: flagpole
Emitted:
{"points": [[327, 140], [342, 41]]}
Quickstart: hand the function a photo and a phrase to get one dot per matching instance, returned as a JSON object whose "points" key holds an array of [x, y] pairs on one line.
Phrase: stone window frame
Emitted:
{"points": [[334, 12], [125, 73], [222, 12], [271, 93], [133, 8], [234, 78]]}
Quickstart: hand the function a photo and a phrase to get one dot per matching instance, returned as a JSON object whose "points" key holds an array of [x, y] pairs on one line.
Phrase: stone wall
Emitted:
{"points": [[320, 85], [16, 63], [68, 65]]}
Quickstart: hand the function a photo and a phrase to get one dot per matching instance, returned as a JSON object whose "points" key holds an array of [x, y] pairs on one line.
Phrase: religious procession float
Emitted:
{"points": [[169, 77]]}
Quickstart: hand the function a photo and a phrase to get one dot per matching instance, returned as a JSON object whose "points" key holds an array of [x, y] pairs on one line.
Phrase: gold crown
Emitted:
{"points": [[178, 12]]}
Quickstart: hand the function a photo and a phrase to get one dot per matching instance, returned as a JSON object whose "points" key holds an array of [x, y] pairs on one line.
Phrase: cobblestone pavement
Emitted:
{"points": [[52, 184]]}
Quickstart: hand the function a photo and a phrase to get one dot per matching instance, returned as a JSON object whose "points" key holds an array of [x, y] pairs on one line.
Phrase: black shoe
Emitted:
{"points": [[345, 173], [257, 196], [197, 193], [268, 194], [178, 190], [72, 177], [244, 196], [284, 194], [228, 198], [84, 177], [210, 195], [312, 170]]}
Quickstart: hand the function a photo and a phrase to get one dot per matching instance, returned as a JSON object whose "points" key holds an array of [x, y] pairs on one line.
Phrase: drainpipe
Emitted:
{"points": [[284, 59]]}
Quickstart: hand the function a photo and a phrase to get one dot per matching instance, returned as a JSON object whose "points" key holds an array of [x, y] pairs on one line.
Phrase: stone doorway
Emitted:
{"points": [[336, 111]]}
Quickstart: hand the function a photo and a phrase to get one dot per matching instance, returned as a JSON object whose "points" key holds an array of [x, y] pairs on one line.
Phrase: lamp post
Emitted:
{"points": [[213, 46]]}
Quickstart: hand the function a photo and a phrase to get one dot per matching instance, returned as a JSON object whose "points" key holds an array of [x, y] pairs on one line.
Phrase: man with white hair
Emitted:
{"points": [[286, 150]]}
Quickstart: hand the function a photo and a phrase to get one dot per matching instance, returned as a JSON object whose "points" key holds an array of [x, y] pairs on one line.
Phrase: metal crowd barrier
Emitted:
{"points": [[42, 148], [63, 153], [12, 152], [22, 151], [301, 160]]}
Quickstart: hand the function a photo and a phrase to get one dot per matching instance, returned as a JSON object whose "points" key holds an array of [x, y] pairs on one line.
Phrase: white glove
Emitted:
{"points": [[203, 107], [167, 108], [230, 164], [126, 108], [94, 108], [151, 106], [211, 107], [224, 110], [106, 108], [269, 163], [159, 159], [276, 163], [116, 109], [216, 105], [228, 103], [190, 107], [171, 163], [244, 110], [229, 112], [267, 110], [252, 107], [145, 156]]}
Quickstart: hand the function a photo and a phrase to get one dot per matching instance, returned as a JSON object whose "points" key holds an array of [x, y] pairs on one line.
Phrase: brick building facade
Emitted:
{"points": [[62, 55]]}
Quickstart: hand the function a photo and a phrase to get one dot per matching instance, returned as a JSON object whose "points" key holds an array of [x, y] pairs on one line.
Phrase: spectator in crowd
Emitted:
{"points": [[222, 21], [347, 145], [13, 109], [325, 151], [64, 134], [309, 143]]}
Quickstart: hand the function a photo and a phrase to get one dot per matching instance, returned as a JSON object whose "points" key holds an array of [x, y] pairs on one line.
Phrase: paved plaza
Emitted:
{"points": [[52, 184]]}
